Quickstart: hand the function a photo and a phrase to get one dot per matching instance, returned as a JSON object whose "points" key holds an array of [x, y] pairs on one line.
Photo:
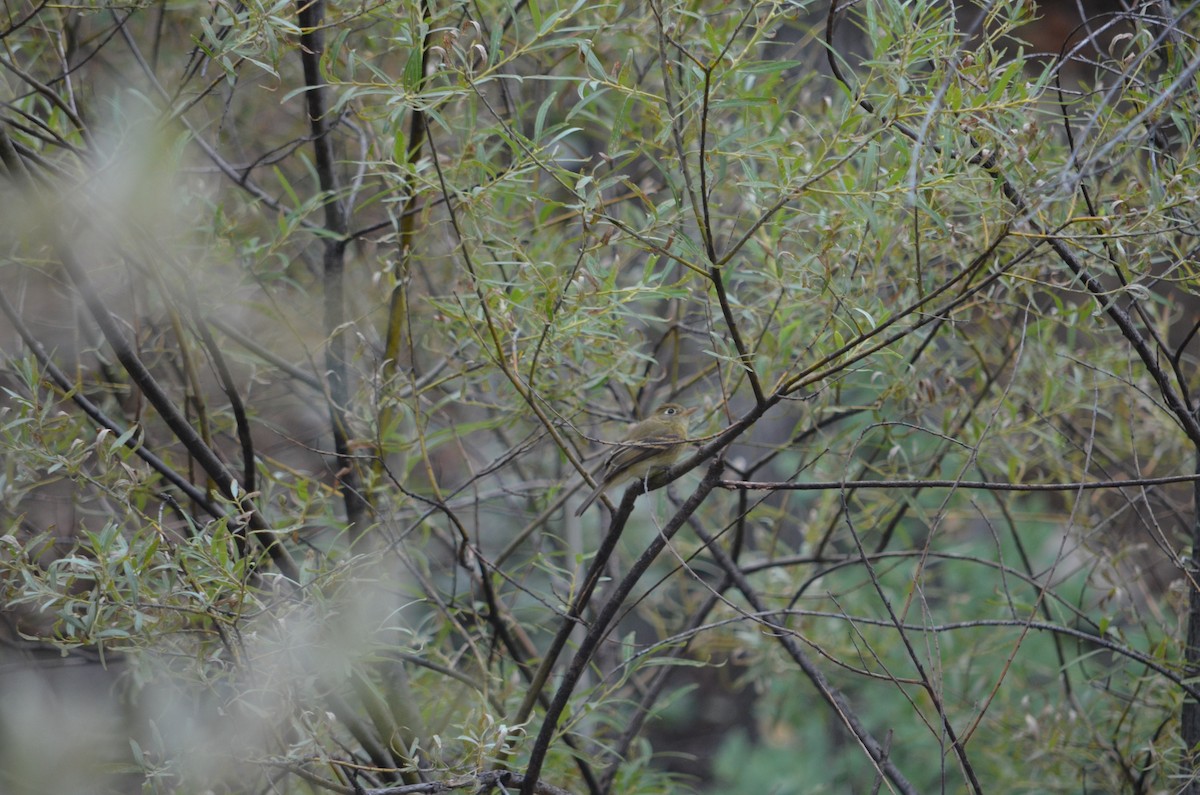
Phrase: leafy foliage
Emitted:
{"points": [[317, 315]]}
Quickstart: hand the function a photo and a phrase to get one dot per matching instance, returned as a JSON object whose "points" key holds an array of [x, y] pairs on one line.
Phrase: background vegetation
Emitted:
{"points": [[317, 317]]}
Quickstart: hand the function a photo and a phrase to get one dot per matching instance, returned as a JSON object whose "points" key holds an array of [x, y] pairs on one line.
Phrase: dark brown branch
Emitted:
{"points": [[311, 17], [184, 432], [600, 626], [981, 485], [225, 377], [837, 702], [97, 415]]}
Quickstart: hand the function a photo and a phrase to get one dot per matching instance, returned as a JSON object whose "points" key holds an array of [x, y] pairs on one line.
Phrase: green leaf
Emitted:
{"points": [[413, 74]]}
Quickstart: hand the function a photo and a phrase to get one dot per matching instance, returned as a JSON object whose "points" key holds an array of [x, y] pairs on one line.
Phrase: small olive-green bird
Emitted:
{"points": [[650, 447]]}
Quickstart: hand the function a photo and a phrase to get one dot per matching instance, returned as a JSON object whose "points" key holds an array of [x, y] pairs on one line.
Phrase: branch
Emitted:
{"points": [[312, 46], [600, 626], [982, 485], [989, 163], [97, 415], [833, 697], [184, 432]]}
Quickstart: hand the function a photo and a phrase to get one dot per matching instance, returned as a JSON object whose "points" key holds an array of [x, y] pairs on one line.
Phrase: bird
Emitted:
{"points": [[649, 447]]}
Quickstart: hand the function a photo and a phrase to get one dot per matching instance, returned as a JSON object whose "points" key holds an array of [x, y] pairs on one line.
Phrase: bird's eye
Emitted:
{"points": [[669, 411]]}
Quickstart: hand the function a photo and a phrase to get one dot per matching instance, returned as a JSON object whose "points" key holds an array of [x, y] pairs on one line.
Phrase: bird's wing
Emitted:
{"points": [[630, 454]]}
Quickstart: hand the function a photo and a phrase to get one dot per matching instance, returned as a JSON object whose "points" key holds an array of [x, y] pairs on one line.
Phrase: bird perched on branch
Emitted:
{"points": [[650, 447]]}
